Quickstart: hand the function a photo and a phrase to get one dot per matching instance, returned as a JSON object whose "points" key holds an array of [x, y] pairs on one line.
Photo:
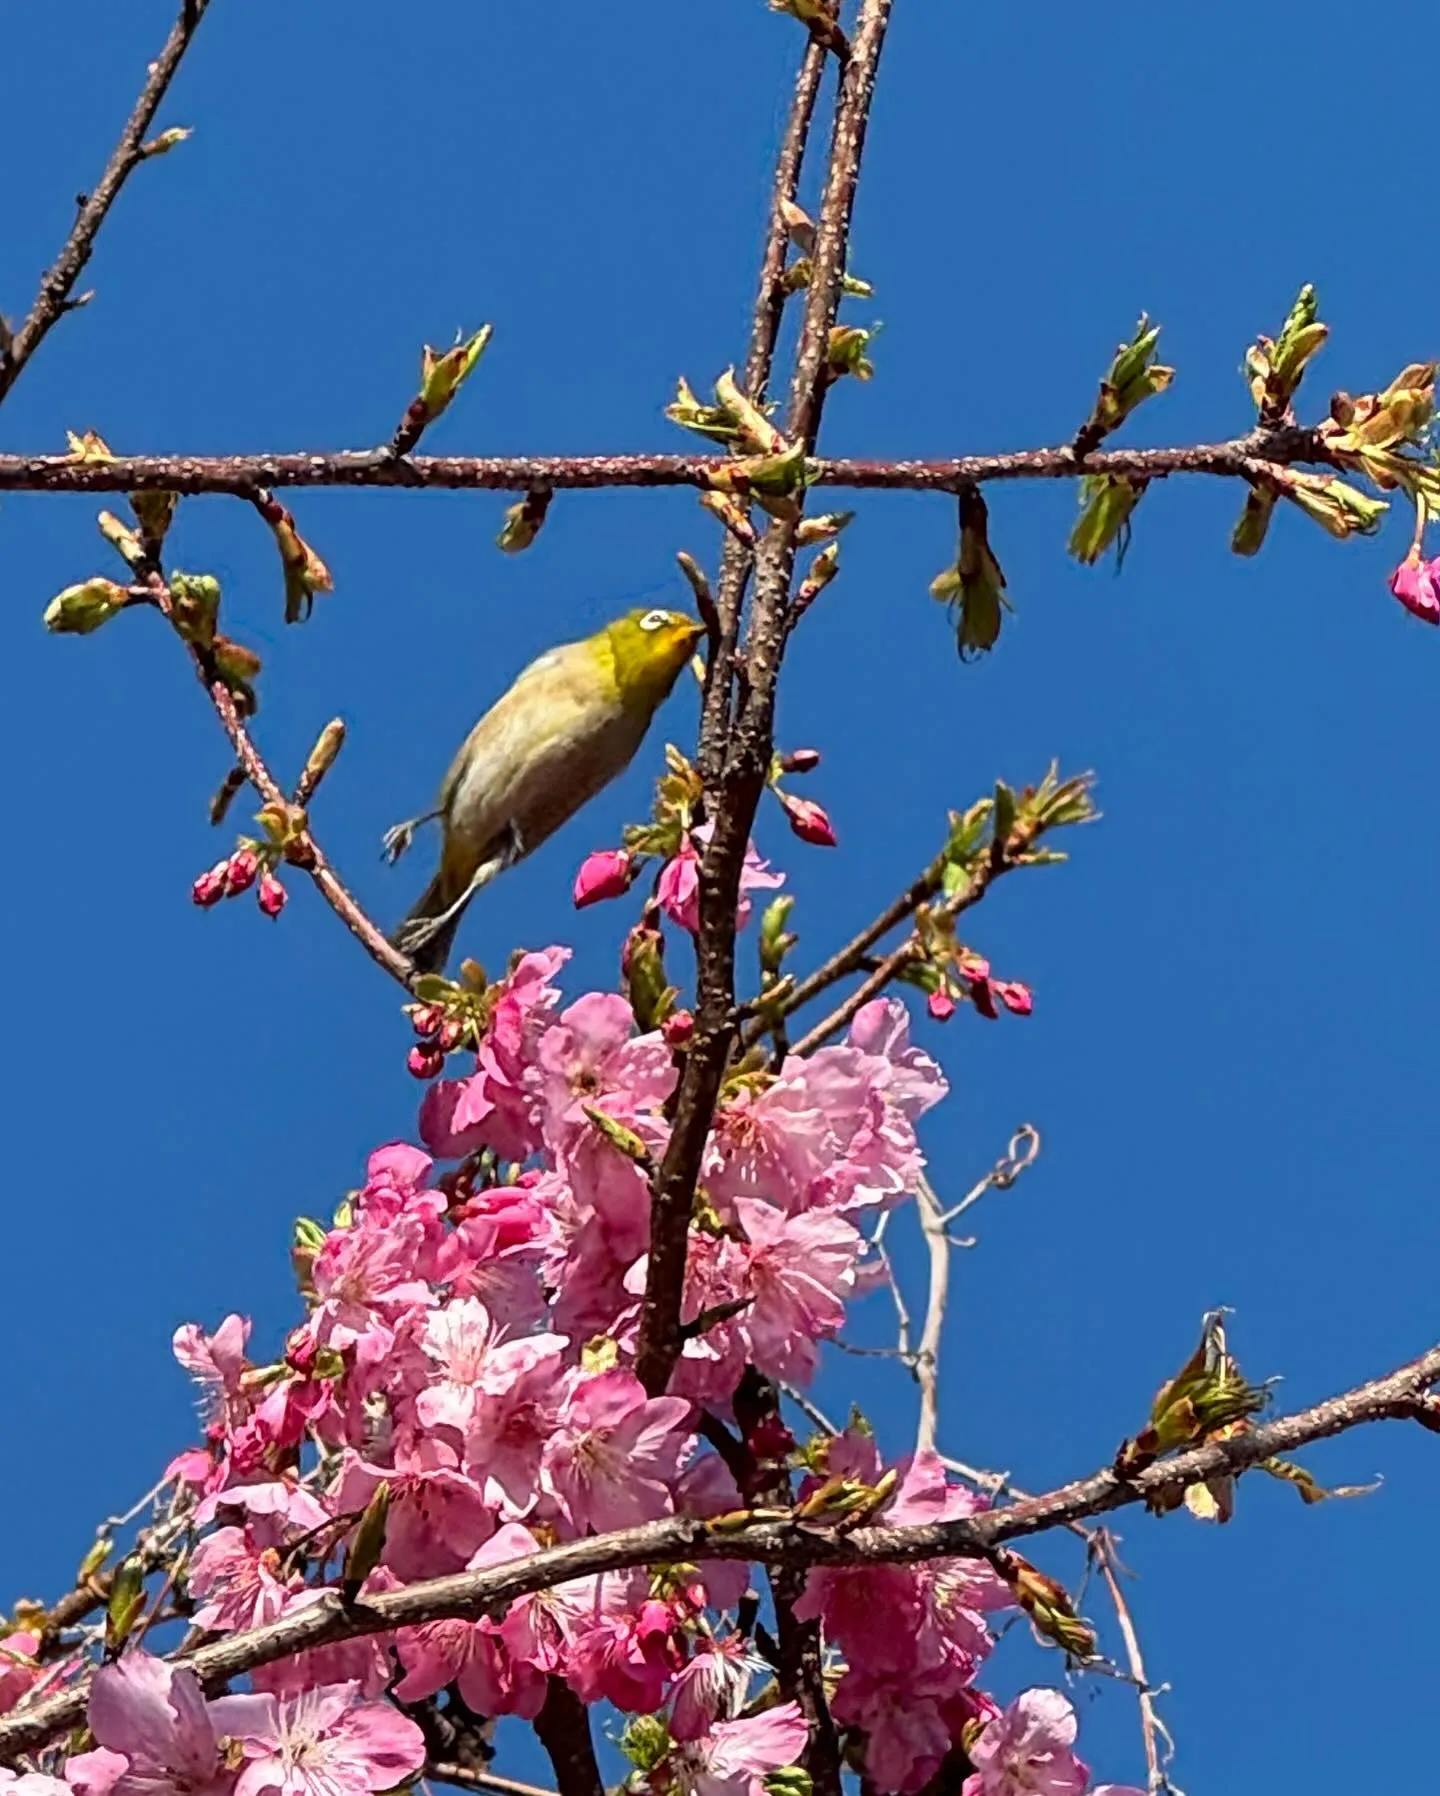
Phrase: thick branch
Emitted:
{"points": [[747, 756], [1400, 1395], [709, 1049], [563, 1725], [53, 300], [1247, 457]]}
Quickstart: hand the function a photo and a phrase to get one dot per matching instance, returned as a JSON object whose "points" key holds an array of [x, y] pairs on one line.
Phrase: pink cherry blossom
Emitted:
{"points": [[615, 1452], [734, 1757], [711, 1687], [798, 1268], [320, 1743], [239, 1580], [215, 1361], [365, 1279], [514, 1418], [156, 1717], [591, 1058], [458, 1338], [35, 1783], [627, 1650], [605, 874], [473, 1656], [18, 1666], [678, 889], [1416, 583], [881, 1029], [1028, 1751], [437, 1515], [496, 1106]]}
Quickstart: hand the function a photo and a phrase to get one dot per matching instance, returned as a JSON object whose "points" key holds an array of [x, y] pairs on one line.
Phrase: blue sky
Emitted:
{"points": [[1230, 1058]]}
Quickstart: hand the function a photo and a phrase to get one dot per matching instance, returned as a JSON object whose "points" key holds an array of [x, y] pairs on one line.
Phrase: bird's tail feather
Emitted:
{"points": [[430, 955]]}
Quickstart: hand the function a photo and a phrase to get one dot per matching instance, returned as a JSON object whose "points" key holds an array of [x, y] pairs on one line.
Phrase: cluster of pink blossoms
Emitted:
{"points": [[469, 1342]]}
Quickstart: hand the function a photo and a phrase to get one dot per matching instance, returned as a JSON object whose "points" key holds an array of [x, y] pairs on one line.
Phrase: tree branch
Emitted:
{"points": [[563, 1726], [926, 1365], [467, 1778], [750, 738], [53, 300], [709, 1048], [779, 1540], [1251, 457], [1152, 1728], [305, 853]]}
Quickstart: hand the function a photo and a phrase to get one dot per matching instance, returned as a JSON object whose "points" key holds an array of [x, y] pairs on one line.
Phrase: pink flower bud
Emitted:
{"points": [[807, 820], [452, 1033], [427, 1020], [424, 1063], [941, 1005], [240, 871], [770, 1439], [210, 887], [1416, 584], [605, 874], [800, 760], [270, 894], [974, 966], [678, 1028], [300, 1350], [1017, 998], [982, 996]]}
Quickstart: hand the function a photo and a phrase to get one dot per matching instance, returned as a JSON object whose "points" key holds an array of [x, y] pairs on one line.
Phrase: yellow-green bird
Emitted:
{"points": [[571, 722]]}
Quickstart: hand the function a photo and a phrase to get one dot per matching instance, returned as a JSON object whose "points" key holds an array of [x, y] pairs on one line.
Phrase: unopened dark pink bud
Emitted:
{"points": [[270, 894], [424, 1063], [210, 887], [241, 871]]}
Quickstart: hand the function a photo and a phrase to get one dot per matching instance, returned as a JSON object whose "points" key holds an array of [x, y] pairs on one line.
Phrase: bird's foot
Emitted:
{"points": [[411, 937], [397, 840], [514, 849]]}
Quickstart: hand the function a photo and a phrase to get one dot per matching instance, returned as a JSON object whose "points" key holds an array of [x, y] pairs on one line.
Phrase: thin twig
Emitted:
{"points": [[1399, 1395], [981, 878], [852, 957], [53, 300], [1153, 1729], [468, 1778], [1020, 1156], [926, 1364], [306, 853]]}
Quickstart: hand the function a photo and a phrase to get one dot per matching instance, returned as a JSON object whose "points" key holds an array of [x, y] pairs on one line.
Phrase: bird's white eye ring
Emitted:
{"points": [[654, 620]]}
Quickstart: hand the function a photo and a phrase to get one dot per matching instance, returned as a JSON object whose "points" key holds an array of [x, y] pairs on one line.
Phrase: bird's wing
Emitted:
{"points": [[553, 740]]}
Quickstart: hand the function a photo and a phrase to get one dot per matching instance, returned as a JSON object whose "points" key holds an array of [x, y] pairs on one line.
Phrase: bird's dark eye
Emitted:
{"points": [[654, 620]]}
